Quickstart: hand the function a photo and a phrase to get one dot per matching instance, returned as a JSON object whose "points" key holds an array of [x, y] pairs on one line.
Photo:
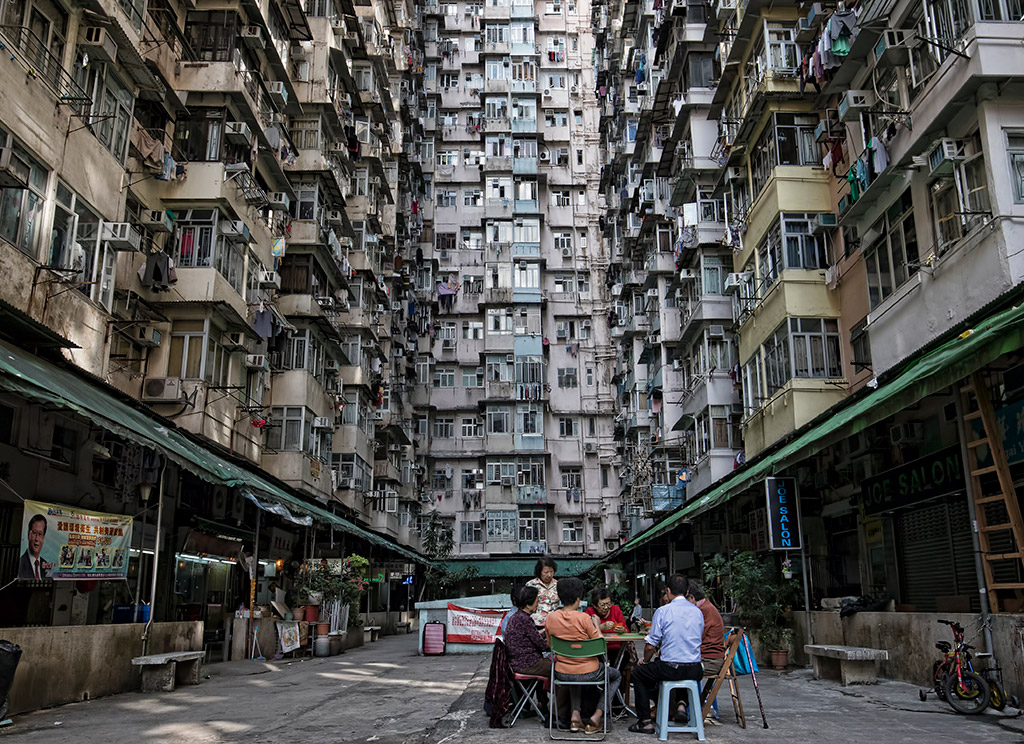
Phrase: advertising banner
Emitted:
{"points": [[783, 514], [288, 635], [471, 625], [61, 542]]}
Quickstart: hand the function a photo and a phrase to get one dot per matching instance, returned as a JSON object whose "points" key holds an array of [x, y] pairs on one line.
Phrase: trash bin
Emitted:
{"points": [[10, 655]]}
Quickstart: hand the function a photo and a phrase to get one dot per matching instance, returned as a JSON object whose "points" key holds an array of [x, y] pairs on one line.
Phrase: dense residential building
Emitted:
{"points": [[513, 391]]}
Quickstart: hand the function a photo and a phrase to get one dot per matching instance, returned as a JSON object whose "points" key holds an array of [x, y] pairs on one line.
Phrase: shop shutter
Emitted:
{"points": [[926, 557], [963, 551]]}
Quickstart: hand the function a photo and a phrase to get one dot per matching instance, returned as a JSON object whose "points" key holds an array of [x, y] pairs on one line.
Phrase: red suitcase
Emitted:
{"points": [[435, 637]]}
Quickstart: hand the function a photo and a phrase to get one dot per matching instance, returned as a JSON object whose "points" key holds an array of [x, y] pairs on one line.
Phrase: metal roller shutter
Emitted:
{"points": [[926, 560]]}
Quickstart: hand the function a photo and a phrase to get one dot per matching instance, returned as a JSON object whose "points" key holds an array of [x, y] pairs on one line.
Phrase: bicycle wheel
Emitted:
{"points": [[968, 693], [996, 698]]}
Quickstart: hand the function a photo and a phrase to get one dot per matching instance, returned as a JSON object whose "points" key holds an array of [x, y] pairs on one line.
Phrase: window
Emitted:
{"points": [[186, 353], [531, 422], [21, 212], [472, 377], [861, 346], [783, 53], [532, 524], [444, 428], [568, 427], [444, 377], [447, 197], [567, 378], [572, 531], [788, 139], [590, 376], [561, 198], [776, 360], [499, 420], [572, 477], [499, 469], [499, 321], [790, 244], [473, 198], [1015, 151], [110, 111], [472, 427], [810, 348], [472, 329], [591, 426], [287, 430], [471, 532], [893, 258], [701, 70], [75, 244], [563, 241], [960, 201], [501, 525], [605, 471], [713, 275]]}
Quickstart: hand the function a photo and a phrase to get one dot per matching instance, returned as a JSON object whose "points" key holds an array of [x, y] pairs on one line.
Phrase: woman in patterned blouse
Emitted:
{"points": [[547, 588]]}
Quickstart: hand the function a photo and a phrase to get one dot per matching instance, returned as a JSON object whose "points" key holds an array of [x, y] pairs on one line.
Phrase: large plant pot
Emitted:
{"points": [[312, 613], [780, 659], [323, 629], [299, 614]]}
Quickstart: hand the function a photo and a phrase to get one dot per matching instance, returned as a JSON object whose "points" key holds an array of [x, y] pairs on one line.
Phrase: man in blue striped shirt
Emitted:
{"points": [[676, 632]]}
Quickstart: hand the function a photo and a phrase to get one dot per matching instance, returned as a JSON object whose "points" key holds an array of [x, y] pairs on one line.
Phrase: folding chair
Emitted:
{"points": [[728, 674], [525, 686], [586, 649]]}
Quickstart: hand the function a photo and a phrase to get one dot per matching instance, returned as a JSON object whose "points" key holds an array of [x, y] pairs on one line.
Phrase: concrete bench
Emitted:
{"points": [[405, 627], [160, 672], [849, 665], [374, 631]]}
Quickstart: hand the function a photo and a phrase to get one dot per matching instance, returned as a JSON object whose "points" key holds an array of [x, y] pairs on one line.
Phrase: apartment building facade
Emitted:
{"points": [[513, 391]]}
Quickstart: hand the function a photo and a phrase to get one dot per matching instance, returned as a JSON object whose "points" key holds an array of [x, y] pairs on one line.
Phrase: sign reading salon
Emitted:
{"points": [[783, 514]]}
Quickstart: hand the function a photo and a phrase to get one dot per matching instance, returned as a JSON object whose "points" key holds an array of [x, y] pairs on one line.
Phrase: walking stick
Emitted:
{"points": [[757, 691]]}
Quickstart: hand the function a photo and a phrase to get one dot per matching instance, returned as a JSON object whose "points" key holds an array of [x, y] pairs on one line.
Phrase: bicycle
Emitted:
{"points": [[954, 679]]}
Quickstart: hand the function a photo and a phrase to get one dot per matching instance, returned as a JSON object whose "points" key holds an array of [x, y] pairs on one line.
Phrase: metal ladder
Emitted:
{"points": [[996, 508]]}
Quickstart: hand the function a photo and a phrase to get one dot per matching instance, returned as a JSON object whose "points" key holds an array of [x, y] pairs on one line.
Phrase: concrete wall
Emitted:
{"points": [[71, 663], [910, 638]]}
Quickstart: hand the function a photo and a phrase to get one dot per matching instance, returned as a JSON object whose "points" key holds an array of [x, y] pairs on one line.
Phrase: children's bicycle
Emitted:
{"points": [[954, 679]]}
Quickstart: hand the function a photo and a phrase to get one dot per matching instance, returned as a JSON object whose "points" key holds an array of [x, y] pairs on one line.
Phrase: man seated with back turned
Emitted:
{"points": [[676, 631]]}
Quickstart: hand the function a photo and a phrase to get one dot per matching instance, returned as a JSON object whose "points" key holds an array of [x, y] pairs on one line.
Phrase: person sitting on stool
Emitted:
{"points": [[676, 631]]}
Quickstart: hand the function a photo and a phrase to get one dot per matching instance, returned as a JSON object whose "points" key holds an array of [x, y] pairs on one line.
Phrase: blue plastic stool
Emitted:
{"points": [[664, 725]]}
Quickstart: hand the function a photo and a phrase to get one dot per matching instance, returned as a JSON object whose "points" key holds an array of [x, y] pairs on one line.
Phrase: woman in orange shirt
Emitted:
{"points": [[570, 624]]}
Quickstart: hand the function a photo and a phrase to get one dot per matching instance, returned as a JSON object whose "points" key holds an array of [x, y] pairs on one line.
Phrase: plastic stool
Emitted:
{"points": [[664, 725]]}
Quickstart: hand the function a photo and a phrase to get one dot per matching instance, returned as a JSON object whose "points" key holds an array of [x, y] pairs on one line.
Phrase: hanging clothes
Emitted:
{"points": [[879, 155], [263, 323], [861, 168], [851, 178]]}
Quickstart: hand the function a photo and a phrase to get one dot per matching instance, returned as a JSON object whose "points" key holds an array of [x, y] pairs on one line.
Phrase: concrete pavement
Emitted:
{"points": [[384, 693]]}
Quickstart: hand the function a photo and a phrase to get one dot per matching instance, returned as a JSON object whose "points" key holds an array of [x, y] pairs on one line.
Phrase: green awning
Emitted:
{"points": [[29, 376], [936, 370], [522, 568]]}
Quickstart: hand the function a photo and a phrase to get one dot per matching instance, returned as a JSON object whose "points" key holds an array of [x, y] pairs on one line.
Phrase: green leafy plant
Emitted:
{"points": [[759, 593], [438, 544]]}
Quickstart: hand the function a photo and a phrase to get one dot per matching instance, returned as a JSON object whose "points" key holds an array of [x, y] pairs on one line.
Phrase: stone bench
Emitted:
{"points": [[405, 627], [849, 665], [373, 631], [160, 672]]}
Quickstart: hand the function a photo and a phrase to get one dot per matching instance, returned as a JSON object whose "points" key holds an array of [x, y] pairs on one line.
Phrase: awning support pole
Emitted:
{"points": [[156, 558]]}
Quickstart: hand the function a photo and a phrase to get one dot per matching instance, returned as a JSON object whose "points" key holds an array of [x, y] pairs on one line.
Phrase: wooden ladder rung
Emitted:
{"points": [[978, 442], [994, 527], [1003, 556], [973, 416], [984, 471], [1018, 585], [990, 499]]}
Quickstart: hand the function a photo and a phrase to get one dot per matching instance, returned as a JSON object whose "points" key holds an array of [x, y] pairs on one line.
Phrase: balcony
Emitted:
{"points": [[667, 498], [536, 495], [386, 470], [524, 166], [26, 47], [493, 163], [496, 12], [525, 250], [661, 262], [523, 86], [523, 11], [527, 206], [497, 124], [524, 126], [497, 47]]}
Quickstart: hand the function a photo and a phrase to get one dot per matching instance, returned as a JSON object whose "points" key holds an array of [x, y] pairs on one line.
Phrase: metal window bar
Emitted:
{"points": [[25, 48]]}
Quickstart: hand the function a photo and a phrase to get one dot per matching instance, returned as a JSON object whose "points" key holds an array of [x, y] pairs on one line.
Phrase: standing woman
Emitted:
{"points": [[547, 589]]}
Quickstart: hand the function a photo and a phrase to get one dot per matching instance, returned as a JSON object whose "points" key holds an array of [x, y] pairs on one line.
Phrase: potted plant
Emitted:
{"points": [[761, 597], [787, 569], [776, 639]]}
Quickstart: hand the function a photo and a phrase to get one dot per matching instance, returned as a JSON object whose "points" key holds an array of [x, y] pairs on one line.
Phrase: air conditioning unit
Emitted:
{"points": [[121, 236], [547, 93], [943, 155], [444, 255], [234, 341], [252, 37], [335, 216], [378, 415], [97, 42], [238, 133], [344, 483], [544, 157], [716, 331], [257, 361], [590, 448], [146, 335], [574, 90], [567, 253], [323, 422], [854, 103], [825, 221], [686, 275], [269, 280], [562, 332], [510, 358], [906, 433], [736, 409], [14, 170], [278, 200], [507, 481], [893, 47], [653, 293], [338, 25], [733, 282], [331, 366], [158, 220], [162, 389], [234, 230], [448, 343], [278, 93]]}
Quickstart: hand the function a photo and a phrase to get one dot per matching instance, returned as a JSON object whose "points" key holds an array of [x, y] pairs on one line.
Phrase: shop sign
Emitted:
{"points": [[472, 625], [934, 475], [783, 514], [60, 542]]}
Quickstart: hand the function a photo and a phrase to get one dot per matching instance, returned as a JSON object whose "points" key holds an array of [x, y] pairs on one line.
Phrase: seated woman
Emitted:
{"points": [[569, 624], [609, 620], [526, 646]]}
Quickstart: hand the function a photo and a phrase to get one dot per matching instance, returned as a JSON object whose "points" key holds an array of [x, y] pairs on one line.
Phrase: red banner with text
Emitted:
{"points": [[472, 625]]}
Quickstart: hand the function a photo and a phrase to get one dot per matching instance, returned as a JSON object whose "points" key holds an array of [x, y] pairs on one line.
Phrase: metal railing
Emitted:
{"points": [[27, 49]]}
